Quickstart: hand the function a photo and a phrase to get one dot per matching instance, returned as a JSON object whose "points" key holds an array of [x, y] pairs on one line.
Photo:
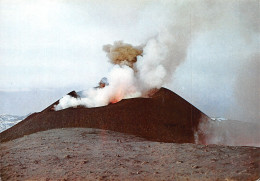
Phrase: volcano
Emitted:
{"points": [[121, 141], [164, 117]]}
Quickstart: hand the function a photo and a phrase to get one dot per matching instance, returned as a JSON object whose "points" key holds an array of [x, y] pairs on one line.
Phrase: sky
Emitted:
{"points": [[51, 47]]}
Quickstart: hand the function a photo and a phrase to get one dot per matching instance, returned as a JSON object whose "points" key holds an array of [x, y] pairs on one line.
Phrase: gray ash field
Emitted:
{"points": [[94, 154]]}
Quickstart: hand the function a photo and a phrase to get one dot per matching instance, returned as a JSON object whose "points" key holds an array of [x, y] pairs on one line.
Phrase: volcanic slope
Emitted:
{"points": [[94, 154], [165, 117]]}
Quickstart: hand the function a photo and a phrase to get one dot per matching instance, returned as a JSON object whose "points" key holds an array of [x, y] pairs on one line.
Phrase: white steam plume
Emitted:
{"points": [[136, 71], [180, 23], [122, 84]]}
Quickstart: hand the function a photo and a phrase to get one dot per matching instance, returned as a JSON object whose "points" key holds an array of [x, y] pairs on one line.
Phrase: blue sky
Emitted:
{"points": [[50, 47]]}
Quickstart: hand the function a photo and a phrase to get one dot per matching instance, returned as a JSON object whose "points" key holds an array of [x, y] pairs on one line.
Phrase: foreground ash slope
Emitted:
{"points": [[164, 117], [95, 154]]}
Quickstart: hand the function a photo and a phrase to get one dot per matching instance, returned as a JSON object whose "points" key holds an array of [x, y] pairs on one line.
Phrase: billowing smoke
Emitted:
{"points": [[136, 71], [229, 132], [122, 84], [209, 48], [217, 77], [122, 54]]}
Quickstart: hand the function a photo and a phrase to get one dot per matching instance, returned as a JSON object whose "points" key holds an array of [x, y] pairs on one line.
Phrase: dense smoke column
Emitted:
{"points": [[123, 54], [180, 23]]}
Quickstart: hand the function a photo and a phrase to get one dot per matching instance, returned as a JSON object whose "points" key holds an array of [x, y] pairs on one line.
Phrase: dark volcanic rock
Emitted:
{"points": [[164, 117]]}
